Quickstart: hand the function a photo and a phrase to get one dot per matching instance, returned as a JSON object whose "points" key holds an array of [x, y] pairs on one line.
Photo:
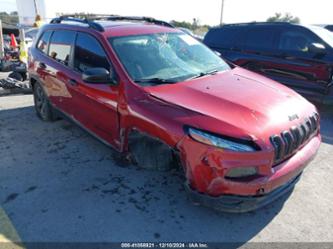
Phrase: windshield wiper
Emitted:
{"points": [[155, 80], [202, 74]]}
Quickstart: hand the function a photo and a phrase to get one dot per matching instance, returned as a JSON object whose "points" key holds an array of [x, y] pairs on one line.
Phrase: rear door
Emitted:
{"points": [[95, 104], [59, 68], [39, 60]]}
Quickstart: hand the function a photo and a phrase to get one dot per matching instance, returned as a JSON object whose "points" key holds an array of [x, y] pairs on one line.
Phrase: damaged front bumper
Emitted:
{"points": [[207, 185], [240, 204]]}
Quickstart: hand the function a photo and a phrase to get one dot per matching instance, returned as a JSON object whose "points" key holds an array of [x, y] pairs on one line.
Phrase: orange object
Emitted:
{"points": [[13, 42]]}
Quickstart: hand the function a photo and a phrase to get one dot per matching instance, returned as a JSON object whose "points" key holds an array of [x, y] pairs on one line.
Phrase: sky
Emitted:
{"points": [[207, 11]]}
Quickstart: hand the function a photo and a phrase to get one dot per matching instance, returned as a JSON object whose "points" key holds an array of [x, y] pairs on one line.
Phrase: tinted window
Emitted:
{"points": [[89, 53], [44, 41], [296, 40], [259, 39], [222, 38], [60, 45]]}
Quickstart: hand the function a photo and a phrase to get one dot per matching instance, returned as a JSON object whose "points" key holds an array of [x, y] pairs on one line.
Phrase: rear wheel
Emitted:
{"points": [[43, 107]]}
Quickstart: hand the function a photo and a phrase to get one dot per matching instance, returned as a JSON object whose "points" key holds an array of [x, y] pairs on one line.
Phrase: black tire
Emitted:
{"points": [[150, 153], [43, 107], [16, 76]]}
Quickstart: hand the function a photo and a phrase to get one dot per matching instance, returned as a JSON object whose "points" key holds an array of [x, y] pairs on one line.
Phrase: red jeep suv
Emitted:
{"points": [[158, 95]]}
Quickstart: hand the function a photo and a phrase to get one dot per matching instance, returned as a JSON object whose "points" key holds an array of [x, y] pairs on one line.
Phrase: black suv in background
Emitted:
{"points": [[298, 56]]}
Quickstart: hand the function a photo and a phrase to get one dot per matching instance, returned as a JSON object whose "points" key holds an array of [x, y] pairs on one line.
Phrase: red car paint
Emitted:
{"points": [[236, 103], [257, 113]]}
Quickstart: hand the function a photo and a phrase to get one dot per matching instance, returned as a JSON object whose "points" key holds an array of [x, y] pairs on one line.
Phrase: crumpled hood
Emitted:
{"points": [[254, 104]]}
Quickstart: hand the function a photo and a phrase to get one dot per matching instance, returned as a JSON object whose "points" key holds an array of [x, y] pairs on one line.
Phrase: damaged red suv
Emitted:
{"points": [[158, 95]]}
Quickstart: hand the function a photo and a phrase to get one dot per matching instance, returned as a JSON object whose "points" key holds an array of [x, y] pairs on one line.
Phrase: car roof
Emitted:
{"points": [[117, 28], [114, 25]]}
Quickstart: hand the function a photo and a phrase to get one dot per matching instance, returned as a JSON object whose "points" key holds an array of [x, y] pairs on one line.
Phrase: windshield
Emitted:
{"points": [[165, 58], [324, 34]]}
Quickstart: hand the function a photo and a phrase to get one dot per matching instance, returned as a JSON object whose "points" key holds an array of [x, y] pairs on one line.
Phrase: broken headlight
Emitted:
{"points": [[224, 143]]}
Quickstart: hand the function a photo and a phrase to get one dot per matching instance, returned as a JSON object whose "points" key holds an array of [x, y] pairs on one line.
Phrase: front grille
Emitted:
{"points": [[289, 141]]}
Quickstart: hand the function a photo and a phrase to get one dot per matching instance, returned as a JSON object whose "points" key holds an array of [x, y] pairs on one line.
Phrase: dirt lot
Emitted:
{"points": [[59, 184]]}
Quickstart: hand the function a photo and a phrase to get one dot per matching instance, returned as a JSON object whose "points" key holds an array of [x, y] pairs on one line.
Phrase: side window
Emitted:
{"points": [[259, 39], [89, 53], [43, 42], [60, 45], [296, 41], [222, 38]]}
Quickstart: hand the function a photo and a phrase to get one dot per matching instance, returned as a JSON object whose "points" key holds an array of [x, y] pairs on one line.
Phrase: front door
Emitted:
{"points": [[95, 104]]}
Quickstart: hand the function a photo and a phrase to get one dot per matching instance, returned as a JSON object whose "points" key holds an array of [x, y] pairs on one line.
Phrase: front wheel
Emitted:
{"points": [[150, 153], [43, 107]]}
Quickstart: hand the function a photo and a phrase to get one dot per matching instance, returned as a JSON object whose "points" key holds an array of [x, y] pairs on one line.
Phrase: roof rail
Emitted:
{"points": [[131, 18], [90, 23], [90, 20], [257, 23]]}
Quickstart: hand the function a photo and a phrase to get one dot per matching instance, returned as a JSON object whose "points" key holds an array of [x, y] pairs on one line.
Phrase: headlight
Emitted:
{"points": [[219, 142]]}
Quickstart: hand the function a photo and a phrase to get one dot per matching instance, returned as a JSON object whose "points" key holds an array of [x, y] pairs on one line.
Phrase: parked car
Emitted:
{"points": [[299, 56], [158, 95]]}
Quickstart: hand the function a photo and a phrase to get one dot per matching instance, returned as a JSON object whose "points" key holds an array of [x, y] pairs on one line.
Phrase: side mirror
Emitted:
{"points": [[317, 49], [97, 75]]}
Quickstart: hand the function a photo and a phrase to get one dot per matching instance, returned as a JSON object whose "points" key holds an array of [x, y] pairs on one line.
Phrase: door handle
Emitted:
{"points": [[72, 82]]}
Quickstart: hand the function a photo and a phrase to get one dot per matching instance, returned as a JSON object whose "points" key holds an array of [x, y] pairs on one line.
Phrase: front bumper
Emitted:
{"points": [[205, 173], [240, 204]]}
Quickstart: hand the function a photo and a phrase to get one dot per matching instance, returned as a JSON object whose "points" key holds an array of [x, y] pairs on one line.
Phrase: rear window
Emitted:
{"points": [[222, 38], [43, 42], [61, 46]]}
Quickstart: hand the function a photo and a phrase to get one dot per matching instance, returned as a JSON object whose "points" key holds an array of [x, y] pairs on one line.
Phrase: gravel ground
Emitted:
{"points": [[59, 184]]}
